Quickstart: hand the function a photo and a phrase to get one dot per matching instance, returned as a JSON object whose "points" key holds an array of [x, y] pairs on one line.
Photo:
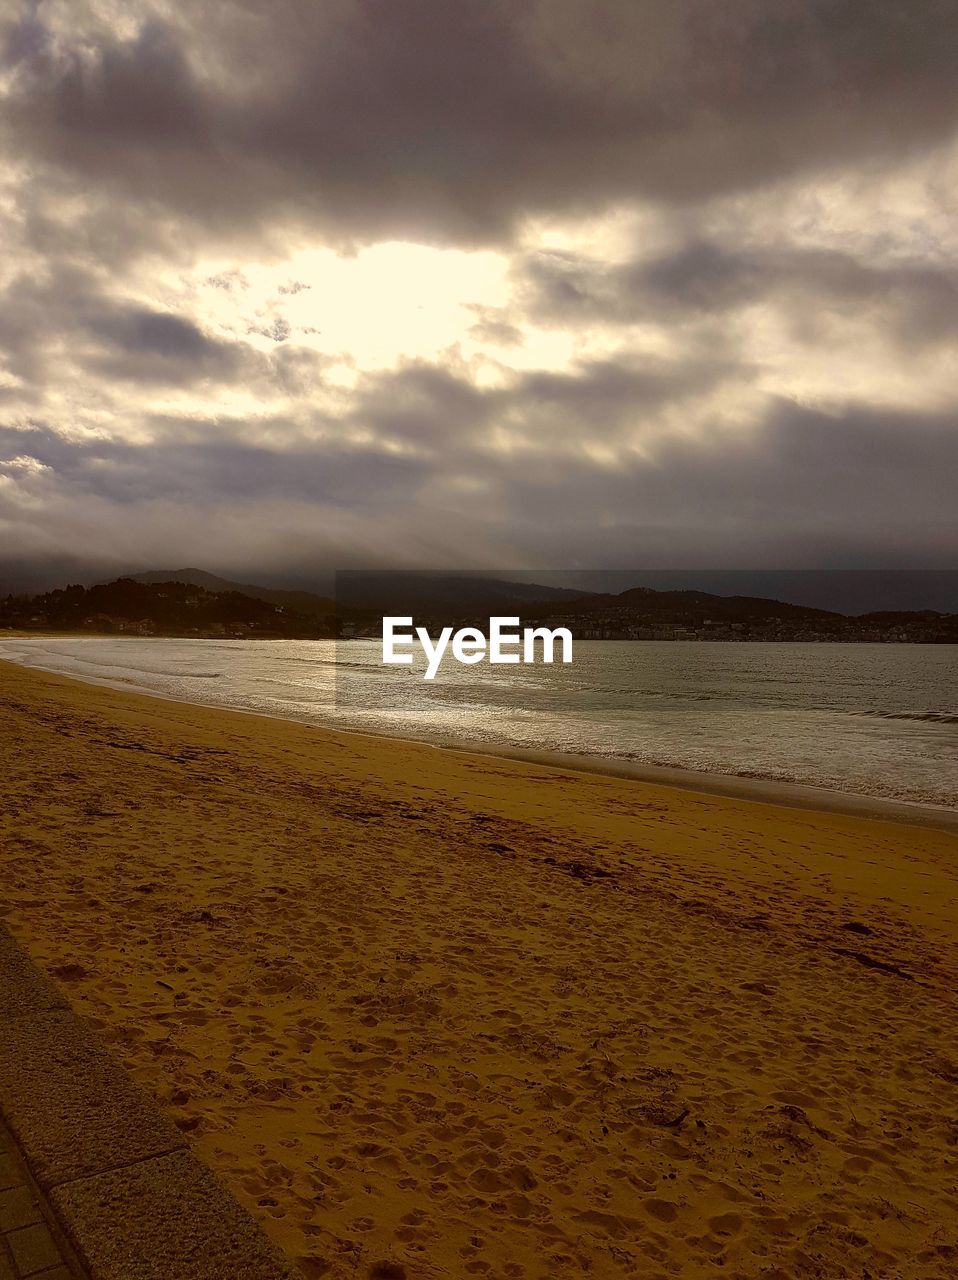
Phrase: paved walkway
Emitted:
{"points": [[89, 1164], [30, 1243]]}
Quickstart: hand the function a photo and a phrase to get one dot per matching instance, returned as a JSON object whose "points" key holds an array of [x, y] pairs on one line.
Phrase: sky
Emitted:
{"points": [[566, 283]]}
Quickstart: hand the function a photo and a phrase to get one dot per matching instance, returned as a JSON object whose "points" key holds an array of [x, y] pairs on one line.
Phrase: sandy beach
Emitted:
{"points": [[436, 1014]]}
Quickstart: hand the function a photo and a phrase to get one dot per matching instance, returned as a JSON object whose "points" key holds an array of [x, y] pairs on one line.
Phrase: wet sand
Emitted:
{"points": [[435, 1014]]}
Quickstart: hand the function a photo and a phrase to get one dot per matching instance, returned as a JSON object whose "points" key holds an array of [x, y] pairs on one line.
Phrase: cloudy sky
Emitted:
{"points": [[568, 282]]}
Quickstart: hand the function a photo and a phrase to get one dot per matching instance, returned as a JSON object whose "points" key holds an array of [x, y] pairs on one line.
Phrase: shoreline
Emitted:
{"points": [[767, 791], [756, 790]]}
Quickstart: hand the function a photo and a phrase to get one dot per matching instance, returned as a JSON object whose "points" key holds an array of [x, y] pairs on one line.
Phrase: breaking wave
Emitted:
{"points": [[928, 717]]}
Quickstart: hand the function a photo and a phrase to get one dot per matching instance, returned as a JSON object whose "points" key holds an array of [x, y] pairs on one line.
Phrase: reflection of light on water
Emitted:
{"points": [[853, 717]]}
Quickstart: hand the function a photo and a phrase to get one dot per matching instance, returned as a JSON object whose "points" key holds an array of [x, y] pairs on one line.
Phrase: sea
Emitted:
{"points": [[876, 720]]}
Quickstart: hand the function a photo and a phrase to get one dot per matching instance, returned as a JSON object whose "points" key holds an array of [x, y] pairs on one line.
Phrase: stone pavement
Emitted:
{"points": [[30, 1241], [98, 1168]]}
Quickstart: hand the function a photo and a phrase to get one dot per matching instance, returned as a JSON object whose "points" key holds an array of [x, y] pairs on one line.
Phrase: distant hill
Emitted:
{"points": [[694, 606], [192, 602], [644, 614], [167, 608], [448, 593], [393, 591], [848, 591], [306, 603]]}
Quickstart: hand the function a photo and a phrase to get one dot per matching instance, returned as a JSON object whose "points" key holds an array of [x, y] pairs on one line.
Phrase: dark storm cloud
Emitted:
{"points": [[415, 427], [853, 487], [421, 405], [108, 337], [199, 465], [916, 301], [598, 401], [141, 345], [880, 464], [138, 329], [885, 496], [441, 413], [438, 120]]}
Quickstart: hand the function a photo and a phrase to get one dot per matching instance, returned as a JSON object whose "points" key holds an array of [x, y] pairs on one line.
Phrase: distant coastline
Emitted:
{"points": [[186, 609]]}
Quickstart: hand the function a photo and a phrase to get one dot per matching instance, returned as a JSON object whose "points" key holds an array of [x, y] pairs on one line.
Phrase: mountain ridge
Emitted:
{"points": [[193, 602], [308, 603]]}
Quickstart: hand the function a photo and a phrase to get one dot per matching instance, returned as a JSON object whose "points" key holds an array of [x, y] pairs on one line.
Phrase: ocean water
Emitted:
{"points": [[876, 720]]}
